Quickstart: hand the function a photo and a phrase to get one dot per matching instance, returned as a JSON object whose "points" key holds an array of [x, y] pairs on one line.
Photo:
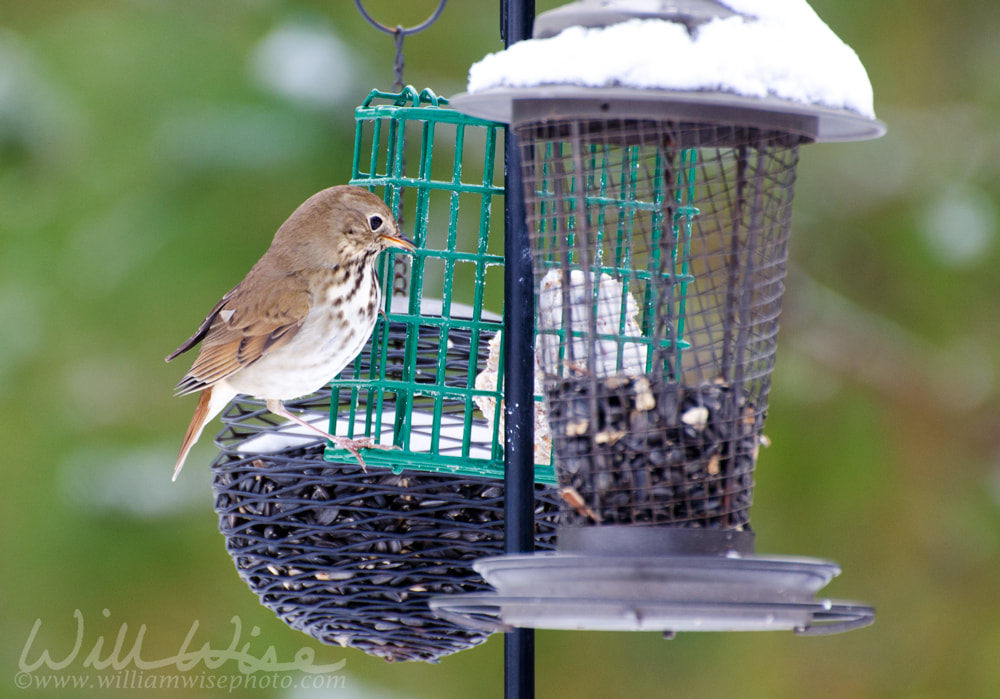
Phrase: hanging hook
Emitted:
{"points": [[397, 64], [399, 30]]}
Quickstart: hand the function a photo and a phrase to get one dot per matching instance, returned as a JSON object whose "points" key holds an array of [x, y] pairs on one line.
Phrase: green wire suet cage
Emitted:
{"points": [[352, 556], [420, 388]]}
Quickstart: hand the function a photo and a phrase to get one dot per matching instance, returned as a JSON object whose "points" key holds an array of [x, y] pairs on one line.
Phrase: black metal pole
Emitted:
{"points": [[516, 19]]}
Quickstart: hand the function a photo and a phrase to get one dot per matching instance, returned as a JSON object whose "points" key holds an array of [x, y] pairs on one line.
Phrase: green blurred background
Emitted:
{"points": [[148, 150]]}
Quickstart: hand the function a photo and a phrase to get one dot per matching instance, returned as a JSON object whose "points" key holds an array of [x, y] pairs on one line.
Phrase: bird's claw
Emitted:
{"points": [[353, 446]]}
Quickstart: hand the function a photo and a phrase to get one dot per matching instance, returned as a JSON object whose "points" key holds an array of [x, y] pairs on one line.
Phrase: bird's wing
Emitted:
{"points": [[242, 328], [203, 329]]}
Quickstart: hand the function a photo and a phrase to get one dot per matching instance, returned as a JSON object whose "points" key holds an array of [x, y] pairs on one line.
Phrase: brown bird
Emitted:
{"points": [[303, 312]]}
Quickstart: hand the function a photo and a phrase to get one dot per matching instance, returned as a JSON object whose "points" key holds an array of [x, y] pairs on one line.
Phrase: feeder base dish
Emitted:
{"points": [[659, 593]]}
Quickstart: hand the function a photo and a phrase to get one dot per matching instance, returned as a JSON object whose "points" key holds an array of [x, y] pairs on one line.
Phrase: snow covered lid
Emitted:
{"points": [[770, 58], [601, 13]]}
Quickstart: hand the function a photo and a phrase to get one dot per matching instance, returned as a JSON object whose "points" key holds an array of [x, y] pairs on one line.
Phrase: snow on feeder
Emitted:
{"points": [[659, 145], [348, 555]]}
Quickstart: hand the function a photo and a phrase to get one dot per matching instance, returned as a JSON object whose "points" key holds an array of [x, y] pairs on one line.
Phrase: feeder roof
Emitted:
{"points": [[770, 51]]}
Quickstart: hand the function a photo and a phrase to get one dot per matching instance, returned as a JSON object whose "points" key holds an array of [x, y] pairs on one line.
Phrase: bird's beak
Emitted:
{"points": [[398, 241]]}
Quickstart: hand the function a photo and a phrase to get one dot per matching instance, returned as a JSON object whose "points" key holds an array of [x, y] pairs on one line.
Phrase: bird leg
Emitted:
{"points": [[351, 445]]}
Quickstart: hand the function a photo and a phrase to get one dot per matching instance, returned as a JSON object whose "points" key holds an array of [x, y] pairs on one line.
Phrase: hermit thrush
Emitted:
{"points": [[302, 313]]}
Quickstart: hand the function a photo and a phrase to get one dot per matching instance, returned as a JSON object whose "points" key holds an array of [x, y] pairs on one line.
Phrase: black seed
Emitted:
{"points": [[662, 471], [382, 543]]}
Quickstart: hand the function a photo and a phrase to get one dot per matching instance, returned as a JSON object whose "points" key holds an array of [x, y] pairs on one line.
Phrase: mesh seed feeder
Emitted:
{"points": [[659, 144], [351, 556]]}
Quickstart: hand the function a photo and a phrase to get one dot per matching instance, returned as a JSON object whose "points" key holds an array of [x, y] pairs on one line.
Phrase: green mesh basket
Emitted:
{"points": [[620, 207], [430, 381]]}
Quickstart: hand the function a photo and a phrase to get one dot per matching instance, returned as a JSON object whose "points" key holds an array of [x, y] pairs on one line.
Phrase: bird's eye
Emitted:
{"points": [[375, 222]]}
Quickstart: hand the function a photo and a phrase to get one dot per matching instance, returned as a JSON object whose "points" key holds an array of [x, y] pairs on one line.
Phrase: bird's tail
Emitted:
{"points": [[210, 403]]}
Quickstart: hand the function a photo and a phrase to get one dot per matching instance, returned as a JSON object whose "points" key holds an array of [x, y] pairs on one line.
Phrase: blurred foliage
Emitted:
{"points": [[148, 149]]}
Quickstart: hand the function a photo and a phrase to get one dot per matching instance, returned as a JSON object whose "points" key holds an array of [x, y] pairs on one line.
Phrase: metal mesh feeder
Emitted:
{"points": [[350, 556], [659, 221], [660, 249]]}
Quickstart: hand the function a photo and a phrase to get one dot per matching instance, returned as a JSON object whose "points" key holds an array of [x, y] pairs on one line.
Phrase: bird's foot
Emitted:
{"points": [[351, 445], [354, 445]]}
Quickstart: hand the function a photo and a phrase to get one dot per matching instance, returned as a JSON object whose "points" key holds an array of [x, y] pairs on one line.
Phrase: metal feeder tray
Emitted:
{"points": [[655, 579]]}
